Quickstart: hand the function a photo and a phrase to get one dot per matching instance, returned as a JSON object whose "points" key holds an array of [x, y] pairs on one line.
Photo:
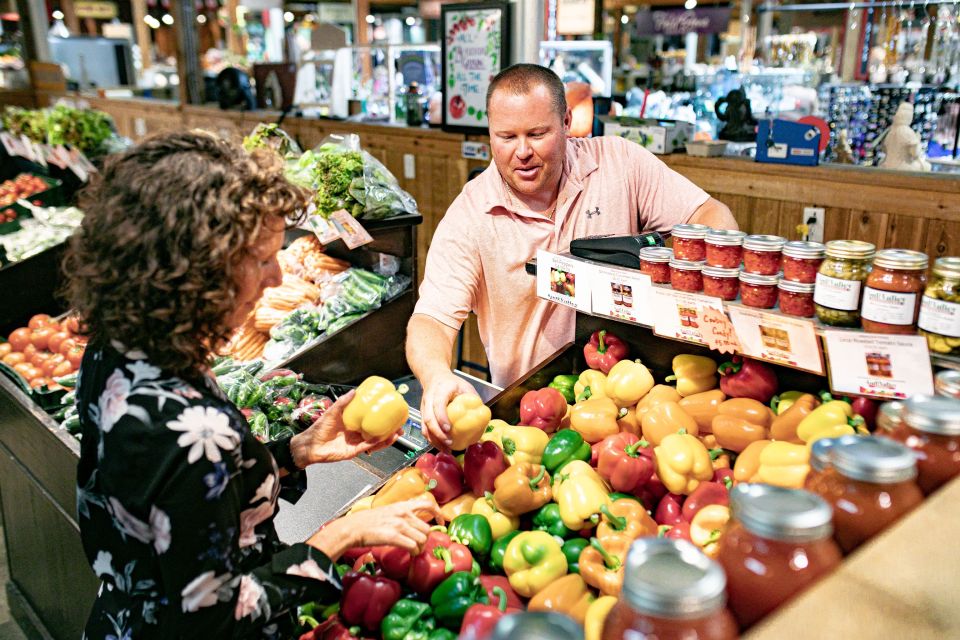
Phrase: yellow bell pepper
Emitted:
{"points": [[747, 466], [458, 506], [580, 493], [832, 419], [629, 422], [469, 418], [500, 523], [784, 426], [783, 401], [682, 463], [694, 374], [532, 561], [362, 504], [597, 614], [596, 418], [707, 527], [377, 410], [568, 595], [628, 382], [590, 384], [519, 443], [659, 393], [784, 464]]}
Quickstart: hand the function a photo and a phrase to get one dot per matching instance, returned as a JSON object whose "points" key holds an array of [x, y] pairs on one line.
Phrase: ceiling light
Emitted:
{"points": [[287, 16], [202, 19], [689, 5], [167, 19], [410, 21], [624, 19], [370, 19], [58, 15]]}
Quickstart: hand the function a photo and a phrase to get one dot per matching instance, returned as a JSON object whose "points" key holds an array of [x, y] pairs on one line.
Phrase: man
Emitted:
{"points": [[542, 191]]}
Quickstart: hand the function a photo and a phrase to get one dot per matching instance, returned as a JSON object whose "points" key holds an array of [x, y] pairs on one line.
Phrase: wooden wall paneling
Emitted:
{"points": [[791, 216], [835, 223], [943, 239], [740, 207], [907, 232], [871, 227], [766, 216]]}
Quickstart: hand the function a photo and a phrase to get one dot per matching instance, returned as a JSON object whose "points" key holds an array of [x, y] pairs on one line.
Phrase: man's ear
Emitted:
{"points": [[567, 121]]}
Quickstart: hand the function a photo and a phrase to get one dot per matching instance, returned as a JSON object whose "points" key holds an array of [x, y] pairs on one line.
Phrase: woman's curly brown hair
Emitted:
{"points": [[167, 223]]}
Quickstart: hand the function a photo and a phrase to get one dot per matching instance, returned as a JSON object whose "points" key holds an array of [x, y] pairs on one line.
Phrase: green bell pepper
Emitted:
{"points": [[472, 530], [452, 597], [564, 384], [565, 446], [571, 550], [497, 551], [618, 495], [442, 634], [408, 620], [548, 519]]}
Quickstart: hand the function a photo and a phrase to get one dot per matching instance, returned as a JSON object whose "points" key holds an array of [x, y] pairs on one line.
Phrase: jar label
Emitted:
{"points": [[940, 317], [888, 307], [835, 293]]}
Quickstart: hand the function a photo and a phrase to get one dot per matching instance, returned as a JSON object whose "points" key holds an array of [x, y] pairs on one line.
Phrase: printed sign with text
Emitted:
{"points": [[777, 338], [565, 281], [680, 315], [878, 365], [623, 294]]}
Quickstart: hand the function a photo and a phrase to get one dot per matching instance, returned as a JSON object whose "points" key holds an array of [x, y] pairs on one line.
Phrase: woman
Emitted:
{"points": [[176, 498]]}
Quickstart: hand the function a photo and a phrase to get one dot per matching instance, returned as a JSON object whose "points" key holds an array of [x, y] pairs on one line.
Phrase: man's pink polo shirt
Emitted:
{"points": [[476, 261]]}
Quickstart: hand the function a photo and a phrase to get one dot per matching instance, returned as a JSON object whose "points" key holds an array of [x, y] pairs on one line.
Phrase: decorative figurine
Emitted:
{"points": [[844, 154], [901, 145], [735, 111]]}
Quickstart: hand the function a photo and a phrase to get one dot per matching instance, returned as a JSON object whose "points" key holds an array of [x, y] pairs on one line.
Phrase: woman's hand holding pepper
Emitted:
{"points": [[328, 440]]}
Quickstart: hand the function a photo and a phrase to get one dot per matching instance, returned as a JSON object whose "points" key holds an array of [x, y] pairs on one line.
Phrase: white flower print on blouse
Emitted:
{"points": [[203, 591], [205, 430], [160, 527], [249, 519], [142, 371], [113, 400], [103, 565], [310, 569], [268, 490], [252, 599]]}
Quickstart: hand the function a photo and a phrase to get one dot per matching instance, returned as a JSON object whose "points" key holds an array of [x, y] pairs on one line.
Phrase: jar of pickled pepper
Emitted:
{"points": [[655, 262], [891, 299], [724, 248], [686, 275], [689, 242], [801, 260], [840, 282], [761, 254], [940, 307]]}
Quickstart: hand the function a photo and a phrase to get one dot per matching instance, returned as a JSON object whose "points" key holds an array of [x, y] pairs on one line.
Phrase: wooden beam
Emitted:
{"points": [[234, 40], [70, 16], [142, 32], [188, 55]]}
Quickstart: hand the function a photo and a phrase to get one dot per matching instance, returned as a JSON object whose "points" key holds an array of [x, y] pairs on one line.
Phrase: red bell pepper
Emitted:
{"points": [[332, 629], [705, 494], [866, 409], [350, 555], [724, 477], [444, 474], [367, 599], [543, 409], [482, 463], [746, 378], [440, 557], [491, 582], [652, 492], [393, 562], [669, 510], [480, 619], [625, 461], [604, 350], [678, 531]]}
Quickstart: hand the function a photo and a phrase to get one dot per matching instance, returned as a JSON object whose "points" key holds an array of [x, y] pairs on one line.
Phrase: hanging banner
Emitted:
{"points": [[678, 22], [575, 17], [96, 9]]}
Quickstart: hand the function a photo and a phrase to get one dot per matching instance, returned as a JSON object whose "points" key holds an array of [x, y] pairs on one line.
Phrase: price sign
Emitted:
{"points": [[680, 315], [623, 294], [777, 338], [350, 230], [718, 332], [878, 365], [565, 281]]}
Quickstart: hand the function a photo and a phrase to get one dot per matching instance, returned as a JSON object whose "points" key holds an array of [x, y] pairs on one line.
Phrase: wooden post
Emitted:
{"points": [[188, 56], [70, 17], [142, 32], [234, 41], [33, 25], [360, 28]]}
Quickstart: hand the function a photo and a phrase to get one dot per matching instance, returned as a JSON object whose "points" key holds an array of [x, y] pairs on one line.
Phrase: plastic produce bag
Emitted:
{"points": [[271, 136]]}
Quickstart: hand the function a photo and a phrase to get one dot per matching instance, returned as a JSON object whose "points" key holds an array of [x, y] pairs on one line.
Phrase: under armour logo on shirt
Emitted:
{"points": [[595, 212]]}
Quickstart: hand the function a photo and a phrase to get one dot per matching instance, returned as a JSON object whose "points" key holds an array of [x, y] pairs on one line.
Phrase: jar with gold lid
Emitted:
{"points": [[840, 282], [891, 299], [940, 307]]}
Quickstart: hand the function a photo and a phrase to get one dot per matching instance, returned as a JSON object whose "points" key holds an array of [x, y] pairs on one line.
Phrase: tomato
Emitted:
{"points": [[39, 320], [52, 363], [39, 358], [75, 356], [20, 338], [26, 369], [40, 337], [62, 369], [14, 358], [56, 340], [66, 345], [72, 324], [5, 348], [40, 381], [29, 351]]}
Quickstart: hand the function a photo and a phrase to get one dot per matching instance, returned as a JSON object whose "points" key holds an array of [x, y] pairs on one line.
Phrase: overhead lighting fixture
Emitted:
{"points": [[624, 19], [287, 16], [202, 19], [152, 22], [690, 5], [58, 15], [167, 19], [371, 19], [410, 21]]}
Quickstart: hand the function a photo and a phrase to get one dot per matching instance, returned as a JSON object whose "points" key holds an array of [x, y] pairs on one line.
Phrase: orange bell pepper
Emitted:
{"points": [[521, 489], [748, 462], [702, 407], [629, 422], [707, 527], [741, 421], [626, 517], [568, 595], [406, 484], [784, 426], [601, 564], [458, 506], [665, 418], [595, 419], [719, 457], [660, 393]]}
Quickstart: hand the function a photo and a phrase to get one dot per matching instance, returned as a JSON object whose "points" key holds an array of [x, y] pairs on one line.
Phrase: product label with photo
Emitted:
{"points": [[623, 294], [678, 314], [889, 307], [563, 280], [835, 293], [878, 365], [940, 317], [778, 338]]}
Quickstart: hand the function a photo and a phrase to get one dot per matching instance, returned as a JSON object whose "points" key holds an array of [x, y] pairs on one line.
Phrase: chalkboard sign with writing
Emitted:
{"points": [[475, 47]]}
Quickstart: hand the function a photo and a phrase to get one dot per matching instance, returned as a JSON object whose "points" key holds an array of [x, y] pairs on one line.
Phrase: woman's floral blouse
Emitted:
{"points": [[176, 502]]}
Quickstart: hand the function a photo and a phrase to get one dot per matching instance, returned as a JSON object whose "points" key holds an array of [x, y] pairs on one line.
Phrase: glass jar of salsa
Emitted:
{"points": [[655, 262], [671, 591], [840, 281], [889, 418], [891, 299], [536, 625], [940, 307], [820, 452], [777, 545], [686, 275], [801, 260], [721, 283], [930, 425], [947, 383], [758, 291], [724, 248], [871, 485], [761, 254], [796, 298], [689, 242]]}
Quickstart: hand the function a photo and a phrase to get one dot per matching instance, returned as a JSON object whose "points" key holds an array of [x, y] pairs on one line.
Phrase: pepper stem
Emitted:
{"points": [[825, 396], [729, 368], [602, 346], [856, 421], [501, 595], [431, 485], [622, 413], [308, 621], [775, 402], [715, 453], [489, 498], [611, 562], [534, 481], [662, 530], [509, 446], [441, 553], [617, 522], [585, 394], [670, 378], [631, 450]]}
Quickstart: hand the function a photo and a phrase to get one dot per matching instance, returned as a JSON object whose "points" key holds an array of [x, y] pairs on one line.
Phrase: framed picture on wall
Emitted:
{"points": [[475, 46]]}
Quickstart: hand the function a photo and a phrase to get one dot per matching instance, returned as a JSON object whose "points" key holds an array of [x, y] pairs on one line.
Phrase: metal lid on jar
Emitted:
{"points": [[656, 254], [720, 272], [804, 250], [537, 625], [690, 231], [822, 450], [672, 579], [890, 415], [852, 249], [759, 280], [901, 259], [726, 237], [686, 265], [933, 414], [875, 459], [947, 267], [797, 287], [764, 243], [946, 383], [789, 515]]}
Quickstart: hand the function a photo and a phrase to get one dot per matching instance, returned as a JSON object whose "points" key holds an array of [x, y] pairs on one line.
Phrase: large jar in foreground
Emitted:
{"points": [[891, 299], [940, 307], [840, 281], [930, 426]]}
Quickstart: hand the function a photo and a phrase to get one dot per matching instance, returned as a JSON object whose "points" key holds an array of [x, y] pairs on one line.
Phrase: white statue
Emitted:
{"points": [[901, 145]]}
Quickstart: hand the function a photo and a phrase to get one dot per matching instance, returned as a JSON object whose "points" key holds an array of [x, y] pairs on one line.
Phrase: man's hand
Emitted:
{"points": [[437, 394]]}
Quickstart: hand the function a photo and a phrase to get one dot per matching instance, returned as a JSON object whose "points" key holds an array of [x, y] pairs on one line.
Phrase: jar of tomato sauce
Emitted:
{"points": [[889, 418], [947, 383], [655, 262], [930, 425], [820, 452], [801, 260], [891, 298], [724, 248], [871, 485], [686, 275], [796, 298], [671, 591], [721, 283], [777, 545], [758, 291], [689, 242], [761, 254]]}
